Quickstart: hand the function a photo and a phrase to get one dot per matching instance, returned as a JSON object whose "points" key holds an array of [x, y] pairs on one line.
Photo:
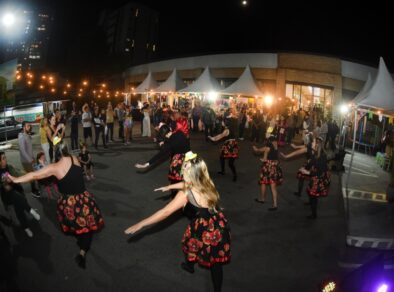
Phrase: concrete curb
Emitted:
{"points": [[370, 242]]}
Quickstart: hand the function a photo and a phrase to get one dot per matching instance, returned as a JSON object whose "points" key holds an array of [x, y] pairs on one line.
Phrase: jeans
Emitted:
{"points": [[97, 131], [110, 133]]}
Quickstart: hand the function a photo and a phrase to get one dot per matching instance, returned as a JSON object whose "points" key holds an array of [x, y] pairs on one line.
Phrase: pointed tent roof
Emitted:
{"points": [[147, 85], [381, 94], [245, 85], [173, 83], [205, 83], [367, 86]]}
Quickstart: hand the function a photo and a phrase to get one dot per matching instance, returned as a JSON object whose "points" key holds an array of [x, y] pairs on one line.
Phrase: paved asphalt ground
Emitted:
{"points": [[272, 251]]}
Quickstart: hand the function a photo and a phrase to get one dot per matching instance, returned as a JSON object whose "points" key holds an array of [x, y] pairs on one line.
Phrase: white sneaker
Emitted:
{"points": [[29, 232], [35, 214]]}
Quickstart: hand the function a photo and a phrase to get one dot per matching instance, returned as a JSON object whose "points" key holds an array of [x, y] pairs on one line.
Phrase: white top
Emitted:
{"points": [[86, 116]]}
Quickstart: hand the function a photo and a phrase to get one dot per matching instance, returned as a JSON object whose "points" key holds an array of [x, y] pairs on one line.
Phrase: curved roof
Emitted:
{"points": [[147, 85], [172, 84], [204, 83]]}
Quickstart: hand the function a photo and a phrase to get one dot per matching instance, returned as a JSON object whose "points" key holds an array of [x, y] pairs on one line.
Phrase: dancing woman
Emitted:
{"points": [[319, 179], [77, 210], [229, 150], [206, 240], [176, 145], [271, 173]]}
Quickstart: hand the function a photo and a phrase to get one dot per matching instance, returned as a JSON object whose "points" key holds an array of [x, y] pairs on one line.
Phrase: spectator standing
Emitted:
{"points": [[109, 118], [99, 126], [87, 124], [44, 138], [26, 154], [208, 118], [120, 113], [74, 121]]}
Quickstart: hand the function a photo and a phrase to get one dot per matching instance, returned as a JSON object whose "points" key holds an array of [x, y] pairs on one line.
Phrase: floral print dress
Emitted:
{"points": [[207, 239]]}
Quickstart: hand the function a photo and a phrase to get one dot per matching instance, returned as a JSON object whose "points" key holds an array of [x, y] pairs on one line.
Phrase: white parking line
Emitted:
{"points": [[365, 196]]}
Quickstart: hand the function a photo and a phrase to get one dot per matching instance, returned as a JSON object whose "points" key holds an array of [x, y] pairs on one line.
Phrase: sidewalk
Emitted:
{"points": [[370, 216]]}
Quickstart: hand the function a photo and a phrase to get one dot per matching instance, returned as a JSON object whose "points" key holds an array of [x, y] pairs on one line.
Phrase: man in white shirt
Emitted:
{"points": [[87, 124]]}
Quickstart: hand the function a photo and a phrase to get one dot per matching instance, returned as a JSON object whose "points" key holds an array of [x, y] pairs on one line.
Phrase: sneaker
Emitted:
{"points": [[81, 261], [36, 194], [35, 214], [29, 232]]}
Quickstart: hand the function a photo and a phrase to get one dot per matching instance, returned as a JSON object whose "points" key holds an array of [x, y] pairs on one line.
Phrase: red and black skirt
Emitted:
{"points": [[319, 185], [229, 149], [301, 175], [271, 173], [78, 214], [207, 241], [175, 171]]}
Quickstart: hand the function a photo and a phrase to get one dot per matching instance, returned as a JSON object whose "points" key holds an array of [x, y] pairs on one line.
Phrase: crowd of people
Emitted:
{"points": [[207, 239]]}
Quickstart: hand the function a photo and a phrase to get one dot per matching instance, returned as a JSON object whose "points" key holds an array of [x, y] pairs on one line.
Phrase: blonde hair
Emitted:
{"points": [[195, 175]]}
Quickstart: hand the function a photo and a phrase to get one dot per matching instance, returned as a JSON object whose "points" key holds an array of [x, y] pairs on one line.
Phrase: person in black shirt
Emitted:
{"points": [[271, 172], [176, 145], [86, 161], [13, 194], [319, 178], [99, 124], [74, 130]]}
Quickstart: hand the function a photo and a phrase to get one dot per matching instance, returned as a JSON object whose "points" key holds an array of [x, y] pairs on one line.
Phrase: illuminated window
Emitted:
{"points": [[154, 48], [136, 12], [127, 49]]}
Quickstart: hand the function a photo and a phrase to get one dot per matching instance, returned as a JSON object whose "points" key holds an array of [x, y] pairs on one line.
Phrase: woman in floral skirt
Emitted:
{"points": [[319, 179], [176, 145], [229, 150], [271, 173], [206, 240], [77, 210]]}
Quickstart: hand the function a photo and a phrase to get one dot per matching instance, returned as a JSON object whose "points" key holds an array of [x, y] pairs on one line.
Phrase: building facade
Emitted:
{"points": [[31, 47], [131, 33], [309, 80]]}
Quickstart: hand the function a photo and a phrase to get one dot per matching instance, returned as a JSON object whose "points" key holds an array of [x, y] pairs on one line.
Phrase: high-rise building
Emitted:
{"points": [[31, 46], [131, 33]]}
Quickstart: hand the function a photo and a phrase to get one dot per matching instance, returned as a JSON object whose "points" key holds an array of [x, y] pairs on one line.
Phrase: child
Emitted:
{"points": [[47, 183], [86, 161]]}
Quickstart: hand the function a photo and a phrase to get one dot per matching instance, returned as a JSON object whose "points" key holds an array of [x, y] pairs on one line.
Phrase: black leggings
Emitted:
{"points": [[300, 185], [21, 206], [313, 203], [216, 275], [231, 164], [84, 241]]}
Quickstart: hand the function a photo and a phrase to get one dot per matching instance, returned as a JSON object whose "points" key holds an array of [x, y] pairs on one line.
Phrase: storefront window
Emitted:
{"points": [[309, 96]]}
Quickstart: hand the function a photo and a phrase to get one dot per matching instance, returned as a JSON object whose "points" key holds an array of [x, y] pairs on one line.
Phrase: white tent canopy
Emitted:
{"points": [[173, 83], [367, 86], [245, 85], [205, 83], [381, 94], [147, 85]]}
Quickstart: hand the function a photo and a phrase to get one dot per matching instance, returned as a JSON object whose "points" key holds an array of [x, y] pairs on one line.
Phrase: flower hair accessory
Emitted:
{"points": [[190, 156]]}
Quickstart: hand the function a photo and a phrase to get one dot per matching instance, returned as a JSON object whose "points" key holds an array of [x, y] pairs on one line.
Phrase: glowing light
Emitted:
{"points": [[79, 94], [104, 85], [212, 95], [268, 100], [329, 287], [50, 77], [64, 92], [29, 82], [68, 85], [53, 90], [43, 77], [85, 83], [18, 77], [94, 91], [41, 86], [379, 112], [99, 96], [327, 103], [8, 19], [51, 81], [244, 3], [344, 109], [383, 288], [101, 91], [80, 90], [279, 98]]}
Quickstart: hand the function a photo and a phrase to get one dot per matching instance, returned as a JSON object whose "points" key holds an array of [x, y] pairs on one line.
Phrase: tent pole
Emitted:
{"points": [[351, 162]]}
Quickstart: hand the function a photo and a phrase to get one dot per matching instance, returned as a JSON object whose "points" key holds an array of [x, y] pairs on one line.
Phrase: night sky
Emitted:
{"points": [[359, 32]]}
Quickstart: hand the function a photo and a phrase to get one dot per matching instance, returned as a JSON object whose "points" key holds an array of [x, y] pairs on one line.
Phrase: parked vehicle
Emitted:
{"points": [[10, 126]]}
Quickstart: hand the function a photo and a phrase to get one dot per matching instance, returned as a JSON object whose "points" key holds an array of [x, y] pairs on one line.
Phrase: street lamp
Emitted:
{"points": [[8, 19]]}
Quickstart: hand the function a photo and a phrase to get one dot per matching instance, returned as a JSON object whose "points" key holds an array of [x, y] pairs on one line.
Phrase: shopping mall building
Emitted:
{"points": [[311, 80]]}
